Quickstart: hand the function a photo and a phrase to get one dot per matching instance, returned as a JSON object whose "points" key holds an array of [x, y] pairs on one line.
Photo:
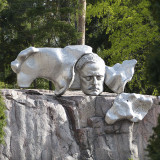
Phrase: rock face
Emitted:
{"points": [[41, 126]]}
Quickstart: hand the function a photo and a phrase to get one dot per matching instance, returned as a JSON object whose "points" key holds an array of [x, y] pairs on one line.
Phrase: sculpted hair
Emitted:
{"points": [[89, 58]]}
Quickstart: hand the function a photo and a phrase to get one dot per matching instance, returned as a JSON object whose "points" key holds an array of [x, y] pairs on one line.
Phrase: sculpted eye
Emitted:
{"points": [[99, 77], [88, 78]]}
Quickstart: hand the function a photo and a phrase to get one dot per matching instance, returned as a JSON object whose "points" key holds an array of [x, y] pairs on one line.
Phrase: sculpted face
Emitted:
{"points": [[92, 78]]}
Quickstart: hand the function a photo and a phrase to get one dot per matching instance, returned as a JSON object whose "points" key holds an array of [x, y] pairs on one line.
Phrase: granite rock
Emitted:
{"points": [[41, 126]]}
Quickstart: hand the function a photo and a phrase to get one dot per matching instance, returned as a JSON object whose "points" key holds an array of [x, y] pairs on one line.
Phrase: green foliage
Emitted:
{"points": [[2, 120], [41, 84], [153, 67], [25, 23], [130, 27], [5, 85], [121, 30], [3, 4], [153, 147], [153, 58]]}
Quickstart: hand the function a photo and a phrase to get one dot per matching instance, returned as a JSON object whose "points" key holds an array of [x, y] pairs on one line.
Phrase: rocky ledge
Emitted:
{"points": [[41, 126]]}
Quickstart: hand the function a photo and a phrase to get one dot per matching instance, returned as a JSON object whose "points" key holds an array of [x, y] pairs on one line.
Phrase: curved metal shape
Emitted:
{"points": [[129, 106], [54, 64], [71, 67]]}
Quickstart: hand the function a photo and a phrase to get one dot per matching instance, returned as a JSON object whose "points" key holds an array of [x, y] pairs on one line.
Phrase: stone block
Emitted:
{"points": [[41, 126]]}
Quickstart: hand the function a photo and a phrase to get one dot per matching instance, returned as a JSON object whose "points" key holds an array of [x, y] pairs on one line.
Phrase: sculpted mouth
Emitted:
{"points": [[93, 89]]}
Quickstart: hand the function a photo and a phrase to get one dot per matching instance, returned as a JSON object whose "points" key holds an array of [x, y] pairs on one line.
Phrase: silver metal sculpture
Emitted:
{"points": [[77, 67], [129, 106], [54, 64], [119, 75], [91, 69], [74, 67]]}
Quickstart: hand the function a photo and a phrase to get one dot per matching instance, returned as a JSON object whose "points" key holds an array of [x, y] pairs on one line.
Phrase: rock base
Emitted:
{"points": [[41, 126]]}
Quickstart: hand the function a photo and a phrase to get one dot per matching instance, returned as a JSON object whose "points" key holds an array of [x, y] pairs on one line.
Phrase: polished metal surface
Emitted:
{"points": [[55, 64], [129, 106], [118, 75], [72, 67], [91, 69]]}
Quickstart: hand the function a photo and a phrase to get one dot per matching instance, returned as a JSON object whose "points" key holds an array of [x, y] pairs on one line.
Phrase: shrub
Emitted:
{"points": [[153, 147], [2, 119]]}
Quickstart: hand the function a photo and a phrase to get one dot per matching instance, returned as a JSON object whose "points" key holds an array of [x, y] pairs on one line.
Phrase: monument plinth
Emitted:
{"points": [[42, 126]]}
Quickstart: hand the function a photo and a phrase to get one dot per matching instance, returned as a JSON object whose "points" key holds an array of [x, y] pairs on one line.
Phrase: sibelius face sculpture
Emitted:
{"points": [[91, 69]]}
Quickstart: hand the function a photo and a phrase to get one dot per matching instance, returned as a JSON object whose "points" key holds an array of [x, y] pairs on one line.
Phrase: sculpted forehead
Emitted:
{"points": [[89, 58], [90, 69]]}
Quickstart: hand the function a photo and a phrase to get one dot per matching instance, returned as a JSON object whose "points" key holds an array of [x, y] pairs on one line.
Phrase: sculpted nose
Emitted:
{"points": [[94, 80]]}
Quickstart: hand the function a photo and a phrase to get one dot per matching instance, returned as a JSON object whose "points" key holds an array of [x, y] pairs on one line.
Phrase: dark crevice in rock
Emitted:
{"points": [[80, 134], [69, 111], [33, 92], [8, 96]]}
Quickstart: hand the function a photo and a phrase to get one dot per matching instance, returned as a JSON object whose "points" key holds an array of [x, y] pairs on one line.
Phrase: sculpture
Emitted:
{"points": [[62, 67], [77, 67], [54, 64], [129, 106], [119, 75], [91, 69]]}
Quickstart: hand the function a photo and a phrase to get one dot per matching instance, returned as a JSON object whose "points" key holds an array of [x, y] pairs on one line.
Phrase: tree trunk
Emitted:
{"points": [[81, 21]]}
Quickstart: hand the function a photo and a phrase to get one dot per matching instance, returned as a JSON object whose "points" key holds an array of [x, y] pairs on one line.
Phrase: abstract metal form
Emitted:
{"points": [[54, 64], [77, 67], [119, 75], [74, 67], [129, 106]]}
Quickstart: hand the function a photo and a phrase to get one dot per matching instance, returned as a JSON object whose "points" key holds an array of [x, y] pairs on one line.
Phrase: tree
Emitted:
{"points": [[153, 67], [81, 21], [3, 4], [120, 30], [42, 23], [153, 58]]}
